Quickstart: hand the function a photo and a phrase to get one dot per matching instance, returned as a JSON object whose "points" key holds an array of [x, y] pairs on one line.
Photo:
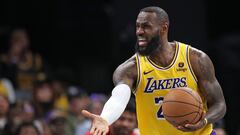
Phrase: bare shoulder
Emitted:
{"points": [[126, 72], [196, 54], [201, 64]]}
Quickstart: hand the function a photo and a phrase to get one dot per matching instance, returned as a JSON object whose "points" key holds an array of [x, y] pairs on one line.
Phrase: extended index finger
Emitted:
{"points": [[87, 114]]}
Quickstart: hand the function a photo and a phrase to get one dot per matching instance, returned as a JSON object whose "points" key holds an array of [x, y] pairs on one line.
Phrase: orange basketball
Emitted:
{"points": [[181, 106]]}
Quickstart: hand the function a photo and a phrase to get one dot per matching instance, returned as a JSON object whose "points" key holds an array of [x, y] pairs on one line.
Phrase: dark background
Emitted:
{"points": [[85, 40]]}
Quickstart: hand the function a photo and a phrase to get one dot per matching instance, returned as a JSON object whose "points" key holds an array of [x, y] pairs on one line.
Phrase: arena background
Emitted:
{"points": [[85, 40]]}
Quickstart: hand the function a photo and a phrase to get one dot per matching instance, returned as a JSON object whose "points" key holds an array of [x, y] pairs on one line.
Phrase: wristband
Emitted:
{"points": [[205, 121]]}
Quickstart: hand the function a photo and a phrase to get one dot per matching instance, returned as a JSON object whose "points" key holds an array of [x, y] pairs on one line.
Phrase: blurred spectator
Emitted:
{"points": [[28, 112], [23, 111], [27, 128], [6, 89], [18, 113], [79, 100], [57, 122], [43, 98], [59, 88], [220, 131], [4, 109], [127, 123], [20, 64], [97, 102]]}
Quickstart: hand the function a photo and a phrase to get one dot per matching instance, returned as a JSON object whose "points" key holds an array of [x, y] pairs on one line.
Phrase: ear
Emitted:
{"points": [[164, 27]]}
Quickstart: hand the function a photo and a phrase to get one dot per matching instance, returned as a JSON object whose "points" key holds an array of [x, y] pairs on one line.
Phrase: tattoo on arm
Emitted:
{"points": [[126, 73], [208, 84], [206, 68]]}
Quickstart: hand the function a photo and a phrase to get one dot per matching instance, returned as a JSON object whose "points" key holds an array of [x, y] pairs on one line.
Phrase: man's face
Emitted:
{"points": [[79, 103], [44, 93], [125, 124], [147, 32]]}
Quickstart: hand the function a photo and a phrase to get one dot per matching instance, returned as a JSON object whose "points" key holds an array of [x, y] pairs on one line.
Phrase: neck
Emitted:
{"points": [[164, 54]]}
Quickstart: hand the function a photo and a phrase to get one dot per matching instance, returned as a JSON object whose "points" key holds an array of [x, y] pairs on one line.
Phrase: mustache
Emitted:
{"points": [[151, 46]]}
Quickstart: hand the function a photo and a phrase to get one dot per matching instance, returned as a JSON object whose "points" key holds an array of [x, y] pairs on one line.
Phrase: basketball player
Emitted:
{"points": [[157, 67]]}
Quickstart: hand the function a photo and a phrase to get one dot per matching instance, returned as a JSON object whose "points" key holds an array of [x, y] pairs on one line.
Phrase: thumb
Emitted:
{"points": [[88, 114]]}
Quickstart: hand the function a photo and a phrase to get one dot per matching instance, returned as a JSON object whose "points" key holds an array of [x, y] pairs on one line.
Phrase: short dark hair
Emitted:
{"points": [[161, 14], [26, 124]]}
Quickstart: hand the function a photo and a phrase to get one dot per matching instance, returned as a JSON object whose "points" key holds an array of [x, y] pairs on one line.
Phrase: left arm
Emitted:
{"points": [[210, 89]]}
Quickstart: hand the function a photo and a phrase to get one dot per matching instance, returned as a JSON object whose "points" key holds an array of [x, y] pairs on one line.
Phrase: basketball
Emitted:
{"points": [[182, 106]]}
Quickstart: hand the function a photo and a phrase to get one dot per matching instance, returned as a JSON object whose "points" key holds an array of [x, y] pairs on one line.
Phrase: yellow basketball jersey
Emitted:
{"points": [[153, 84]]}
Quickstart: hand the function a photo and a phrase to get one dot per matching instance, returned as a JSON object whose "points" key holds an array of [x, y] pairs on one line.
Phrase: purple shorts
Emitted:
{"points": [[213, 133]]}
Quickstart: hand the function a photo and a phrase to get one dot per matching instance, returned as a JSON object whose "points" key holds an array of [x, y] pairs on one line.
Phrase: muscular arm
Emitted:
{"points": [[123, 78], [208, 84], [126, 73]]}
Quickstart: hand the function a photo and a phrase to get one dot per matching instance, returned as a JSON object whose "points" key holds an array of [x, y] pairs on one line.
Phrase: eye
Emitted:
{"points": [[146, 26], [137, 25]]}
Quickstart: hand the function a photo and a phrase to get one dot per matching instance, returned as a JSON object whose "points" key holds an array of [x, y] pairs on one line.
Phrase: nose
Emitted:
{"points": [[139, 31]]}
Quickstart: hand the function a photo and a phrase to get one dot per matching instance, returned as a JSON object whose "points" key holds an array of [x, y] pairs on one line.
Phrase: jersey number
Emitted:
{"points": [[158, 101]]}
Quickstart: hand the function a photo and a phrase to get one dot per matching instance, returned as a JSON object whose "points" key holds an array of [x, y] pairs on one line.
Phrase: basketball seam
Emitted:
{"points": [[180, 115], [195, 116], [199, 103], [197, 113], [192, 96], [181, 102]]}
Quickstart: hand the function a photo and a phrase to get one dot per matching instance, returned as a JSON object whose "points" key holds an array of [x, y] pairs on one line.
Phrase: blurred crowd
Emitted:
{"points": [[34, 102]]}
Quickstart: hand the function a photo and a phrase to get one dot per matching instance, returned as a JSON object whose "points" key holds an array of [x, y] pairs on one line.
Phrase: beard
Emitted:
{"points": [[147, 50]]}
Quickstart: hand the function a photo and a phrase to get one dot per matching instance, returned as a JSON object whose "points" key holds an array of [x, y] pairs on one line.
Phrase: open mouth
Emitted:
{"points": [[142, 42]]}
